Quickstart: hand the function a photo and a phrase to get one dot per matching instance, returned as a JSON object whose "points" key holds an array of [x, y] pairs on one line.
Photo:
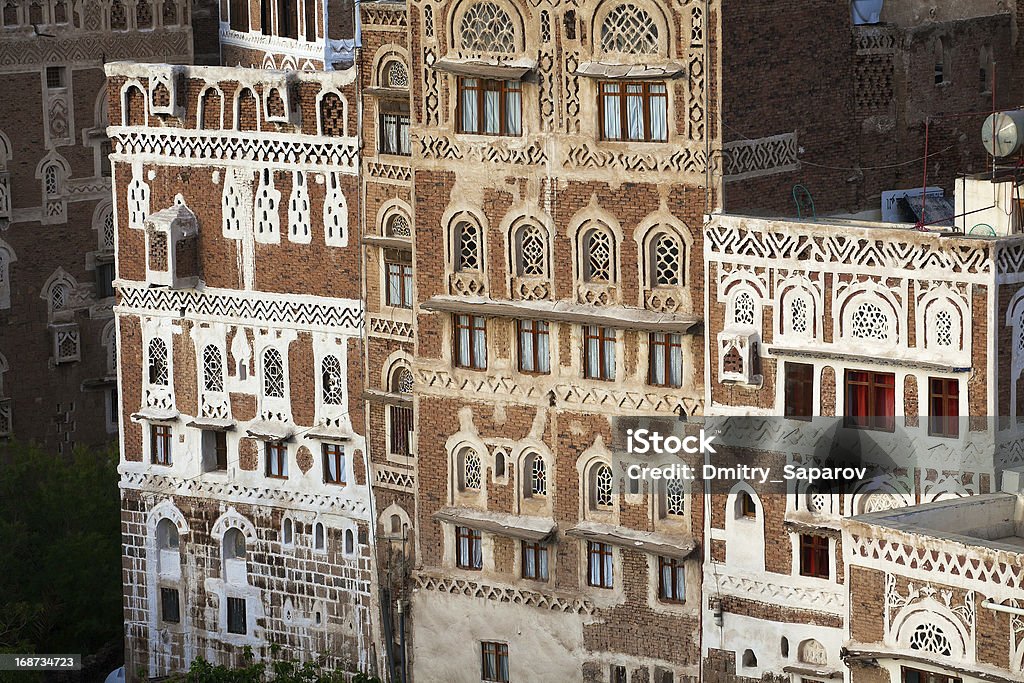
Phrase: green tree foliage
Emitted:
{"points": [[60, 551], [277, 670]]}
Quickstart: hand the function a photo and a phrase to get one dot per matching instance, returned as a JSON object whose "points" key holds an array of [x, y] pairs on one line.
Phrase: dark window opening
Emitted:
{"points": [[870, 400], [488, 107], [799, 391], [943, 407], [170, 609], [814, 556], [236, 615]]}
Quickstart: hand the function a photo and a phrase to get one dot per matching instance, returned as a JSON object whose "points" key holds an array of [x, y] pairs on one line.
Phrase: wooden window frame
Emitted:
{"points": [[474, 323], [604, 338], [335, 452], [623, 97], [798, 391], [499, 651], [536, 330], [675, 567], [475, 540], [220, 450], [234, 606], [484, 86], [403, 271], [536, 550], [815, 560], [385, 144], [748, 508], [276, 451], [165, 592], [929, 676], [160, 434], [871, 420], [664, 339], [399, 442], [596, 549], [944, 407]]}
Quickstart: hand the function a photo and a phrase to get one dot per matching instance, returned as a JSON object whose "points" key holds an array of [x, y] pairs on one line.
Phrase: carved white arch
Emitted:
{"points": [[849, 302], [931, 304], [389, 512], [232, 519], [523, 454], [881, 492], [58, 277], [454, 447], [797, 290], [123, 94], [386, 54], [518, 218], [594, 217], [586, 464], [5, 150], [53, 158], [324, 92], [236, 108], [201, 106], [932, 612], [166, 509], [390, 208], [451, 219], [460, 10], [744, 545], [397, 359], [660, 20]]}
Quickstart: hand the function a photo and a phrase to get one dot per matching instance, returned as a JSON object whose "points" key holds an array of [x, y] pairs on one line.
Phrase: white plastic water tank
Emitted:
{"points": [[866, 11], [1003, 132]]}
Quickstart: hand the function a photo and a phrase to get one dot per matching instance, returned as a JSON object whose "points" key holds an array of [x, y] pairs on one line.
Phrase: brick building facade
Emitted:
{"points": [[447, 248], [57, 346]]}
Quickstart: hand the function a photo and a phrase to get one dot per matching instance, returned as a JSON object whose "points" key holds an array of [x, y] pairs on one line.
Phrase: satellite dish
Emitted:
{"points": [[1003, 133]]}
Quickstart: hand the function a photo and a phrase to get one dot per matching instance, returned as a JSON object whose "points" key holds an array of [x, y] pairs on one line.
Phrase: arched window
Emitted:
{"points": [[485, 27], [467, 247], [602, 494], [869, 321], [629, 29], [350, 542], [799, 315], [332, 115], [234, 544], [401, 380], [598, 255], [330, 373], [675, 501], [288, 532], [397, 225], [273, 374], [531, 251], [143, 14], [118, 16], [52, 180], [941, 73], [59, 295], [746, 507], [394, 74], [319, 537], [666, 261], [248, 111], [396, 524], [107, 230], [743, 310], [166, 535], [469, 470], [944, 328], [213, 369], [157, 362], [537, 471]]}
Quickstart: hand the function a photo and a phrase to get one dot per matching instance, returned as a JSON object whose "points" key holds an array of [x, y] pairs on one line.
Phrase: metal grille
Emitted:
{"points": [[67, 345], [213, 369], [629, 29], [402, 381], [333, 390], [487, 28], [666, 261], [401, 425], [598, 256], [603, 486], [471, 469], [869, 322], [538, 477], [50, 178], [532, 251], [58, 297], [273, 374], [469, 247], [158, 362]]}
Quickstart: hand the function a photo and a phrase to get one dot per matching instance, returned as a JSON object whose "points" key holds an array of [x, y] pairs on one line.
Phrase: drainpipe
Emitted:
{"points": [[996, 607]]}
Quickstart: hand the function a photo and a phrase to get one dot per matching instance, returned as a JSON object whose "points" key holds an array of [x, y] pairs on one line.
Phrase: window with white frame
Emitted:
{"points": [[675, 498], [467, 243], [59, 297], [870, 322], [213, 369], [333, 389], [157, 362], [537, 476], [666, 259], [531, 251], [598, 256], [602, 495], [470, 470], [273, 374], [743, 310], [486, 27]]}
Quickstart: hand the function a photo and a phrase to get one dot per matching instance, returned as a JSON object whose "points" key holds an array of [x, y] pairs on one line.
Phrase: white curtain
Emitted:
{"points": [[635, 111], [595, 566], [503, 663], [479, 343], [658, 361], [469, 112], [492, 112], [513, 110], [543, 357], [609, 359], [529, 564], [394, 285], [404, 146], [607, 567], [659, 113], [542, 564], [526, 349], [463, 551], [612, 118], [675, 368], [407, 299], [666, 581], [478, 553], [593, 353], [463, 337]]}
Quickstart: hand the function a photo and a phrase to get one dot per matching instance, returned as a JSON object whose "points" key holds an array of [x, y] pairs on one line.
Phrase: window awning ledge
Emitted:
{"points": [[817, 353], [325, 433], [619, 317], [533, 529], [270, 430], [378, 396], [858, 652], [679, 547], [212, 424], [813, 672], [806, 524], [505, 71], [156, 415], [632, 72]]}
